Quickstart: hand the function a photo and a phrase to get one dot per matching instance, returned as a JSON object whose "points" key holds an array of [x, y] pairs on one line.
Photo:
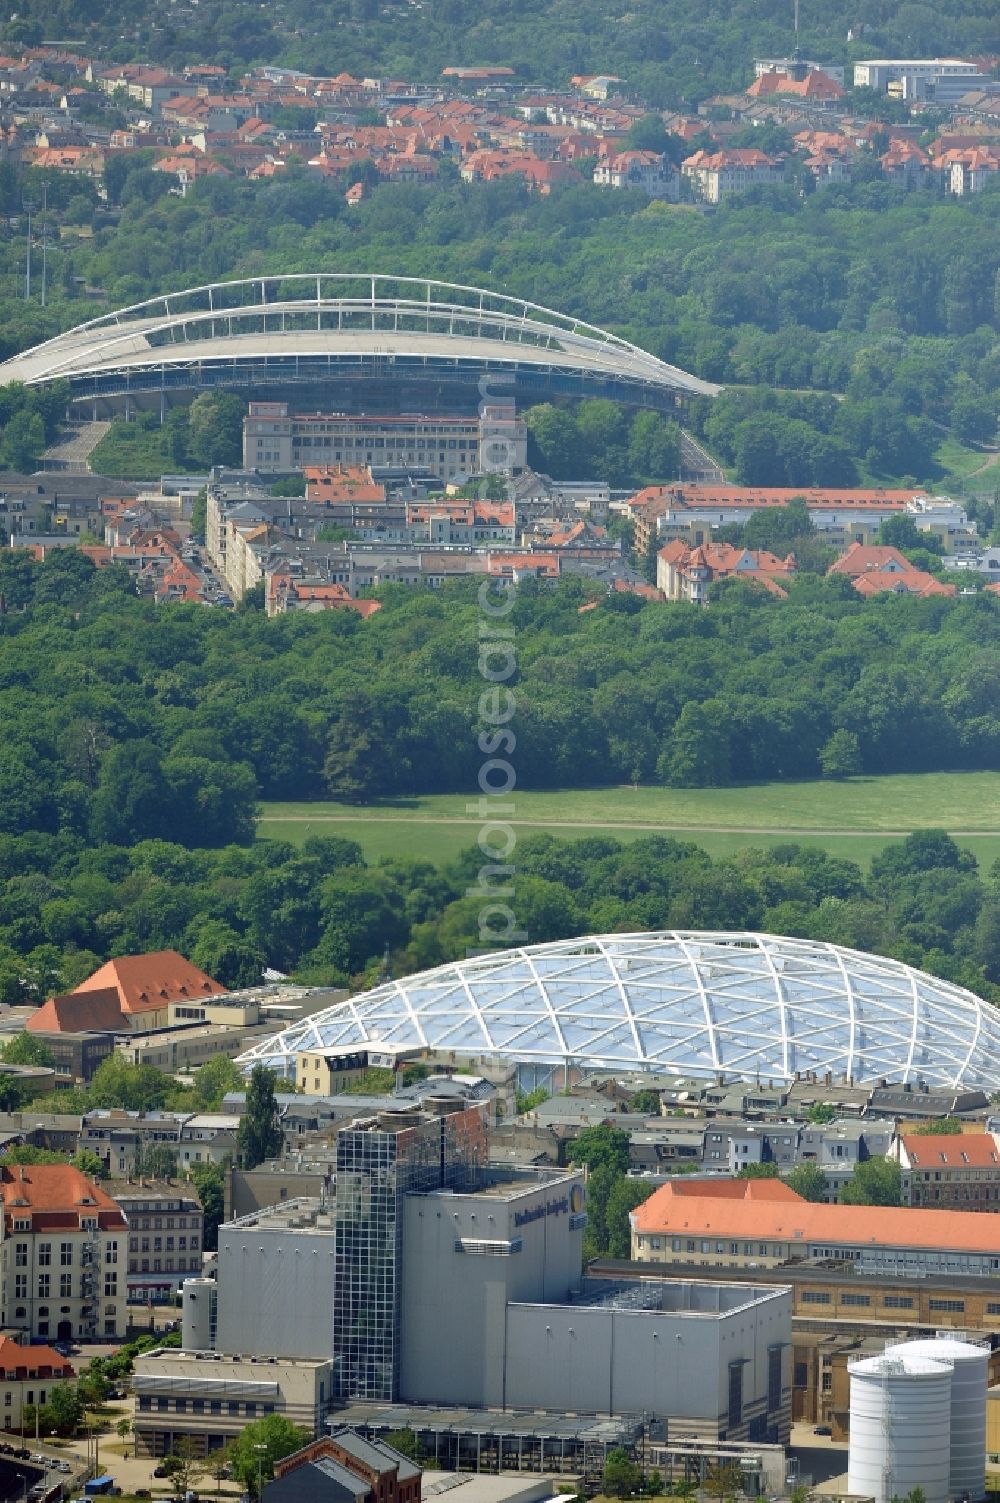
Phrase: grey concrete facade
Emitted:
{"points": [[685, 1358], [275, 1272], [466, 1257]]}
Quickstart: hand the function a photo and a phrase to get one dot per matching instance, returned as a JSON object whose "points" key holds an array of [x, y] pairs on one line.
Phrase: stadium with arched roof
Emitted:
{"points": [[418, 343], [738, 1004]]}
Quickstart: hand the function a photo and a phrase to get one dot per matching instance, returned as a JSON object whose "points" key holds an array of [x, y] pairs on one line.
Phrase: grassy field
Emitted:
{"points": [[854, 818], [960, 462]]}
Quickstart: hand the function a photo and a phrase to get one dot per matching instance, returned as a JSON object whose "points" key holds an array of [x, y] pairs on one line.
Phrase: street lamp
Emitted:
{"points": [[260, 1449]]}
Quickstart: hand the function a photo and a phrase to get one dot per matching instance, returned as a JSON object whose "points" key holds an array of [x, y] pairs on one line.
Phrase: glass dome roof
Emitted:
{"points": [[746, 1005]]}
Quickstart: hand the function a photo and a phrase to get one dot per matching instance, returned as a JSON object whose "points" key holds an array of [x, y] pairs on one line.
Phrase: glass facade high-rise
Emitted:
{"points": [[378, 1163]]}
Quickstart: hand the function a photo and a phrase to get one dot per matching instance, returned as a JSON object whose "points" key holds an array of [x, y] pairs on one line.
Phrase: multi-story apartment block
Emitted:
{"points": [[62, 1257], [165, 1238], [644, 171], [954, 1172], [276, 440], [716, 174]]}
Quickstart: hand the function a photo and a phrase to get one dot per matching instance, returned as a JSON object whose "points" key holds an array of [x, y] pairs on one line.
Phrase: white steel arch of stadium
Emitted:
{"points": [[359, 316], [744, 1005]]}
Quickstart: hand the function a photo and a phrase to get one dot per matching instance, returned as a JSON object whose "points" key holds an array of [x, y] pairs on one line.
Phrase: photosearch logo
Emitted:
{"points": [[496, 741]]}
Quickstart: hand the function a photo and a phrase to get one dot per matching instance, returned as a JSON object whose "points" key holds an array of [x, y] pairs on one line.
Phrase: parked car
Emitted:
{"points": [[161, 1470]]}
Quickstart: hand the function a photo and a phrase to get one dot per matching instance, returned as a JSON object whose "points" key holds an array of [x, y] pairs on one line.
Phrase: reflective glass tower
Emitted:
{"points": [[379, 1161]]}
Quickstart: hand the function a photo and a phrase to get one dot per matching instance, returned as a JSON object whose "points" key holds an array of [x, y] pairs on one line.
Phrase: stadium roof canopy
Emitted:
{"points": [[316, 328], [746, 1005]]}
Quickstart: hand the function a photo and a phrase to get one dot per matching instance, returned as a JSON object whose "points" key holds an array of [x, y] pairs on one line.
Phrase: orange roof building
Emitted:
{"points": [[76, 1290], [877, 570], [341, 482], [98, 1011], [731, 1223], [21, 1363], [147, 984], [684, 573], [53, 1198]]}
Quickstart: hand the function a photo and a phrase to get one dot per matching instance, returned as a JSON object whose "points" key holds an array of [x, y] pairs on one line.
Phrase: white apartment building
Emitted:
{"points": [[716, 174], [62, 1257], [910, 77], [644, 171]]}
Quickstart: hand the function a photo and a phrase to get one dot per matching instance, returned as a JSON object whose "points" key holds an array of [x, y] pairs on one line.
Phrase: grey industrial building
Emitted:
{"points": [[436, 1280]]}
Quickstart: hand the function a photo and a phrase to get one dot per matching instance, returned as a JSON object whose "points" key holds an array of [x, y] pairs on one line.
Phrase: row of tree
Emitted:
{"points": [[125, 723]]}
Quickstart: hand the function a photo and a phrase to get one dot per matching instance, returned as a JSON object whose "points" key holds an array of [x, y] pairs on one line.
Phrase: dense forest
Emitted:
{"points": [[323, 915], [675, 52], [888, 300], [125, 722]]}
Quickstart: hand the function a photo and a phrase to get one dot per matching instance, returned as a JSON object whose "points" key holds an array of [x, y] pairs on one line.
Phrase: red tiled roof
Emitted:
{"points": [[144, 982], [761, 1216], [815, 85], [974, 1150], [80, 1012], [911, 582], [54, 1196], [695, 494], [862, 558], [25, 1362], [342, 483]]}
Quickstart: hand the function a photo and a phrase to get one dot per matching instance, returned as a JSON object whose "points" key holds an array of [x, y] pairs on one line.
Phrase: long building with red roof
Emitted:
{"points": [[733, 1223]]}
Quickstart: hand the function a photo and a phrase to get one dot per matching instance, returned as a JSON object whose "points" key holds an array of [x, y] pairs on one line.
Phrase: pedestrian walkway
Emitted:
{"points": [[71, 452]]}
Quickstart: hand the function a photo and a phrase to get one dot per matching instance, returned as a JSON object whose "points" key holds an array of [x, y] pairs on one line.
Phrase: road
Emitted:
{"points": [[600, 824]]}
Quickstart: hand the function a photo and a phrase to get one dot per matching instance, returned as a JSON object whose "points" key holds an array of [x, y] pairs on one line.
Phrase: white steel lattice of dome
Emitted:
{"points": [[746, 1005]]}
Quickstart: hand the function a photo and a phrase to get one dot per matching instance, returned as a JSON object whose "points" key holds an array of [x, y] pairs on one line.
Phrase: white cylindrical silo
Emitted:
{"points": [[197, 1300], [900, 1427], [970, 1380]]}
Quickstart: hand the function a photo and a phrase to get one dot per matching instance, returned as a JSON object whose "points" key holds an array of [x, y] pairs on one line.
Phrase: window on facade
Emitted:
{"points": [[773, 1378], [20, 1255], [66, 1254], [44, 1254], [856, 1299], [44, 1285], [735, 1394], [66, 1285], [904, 1302], [950, 1306], [815, 1297]]}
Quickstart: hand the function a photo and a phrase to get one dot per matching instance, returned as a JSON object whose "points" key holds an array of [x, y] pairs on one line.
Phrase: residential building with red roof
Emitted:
{"points": [[716, 174], [341, 482], [906, 163], [644, 171], [872, 558], [684, 573], [727, 1224], [28, 1376], [538, 175], [289, 592], [913, 582], [816, 87], [875, 570], [63, 1255], [954, 1171], [692, 509]]}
